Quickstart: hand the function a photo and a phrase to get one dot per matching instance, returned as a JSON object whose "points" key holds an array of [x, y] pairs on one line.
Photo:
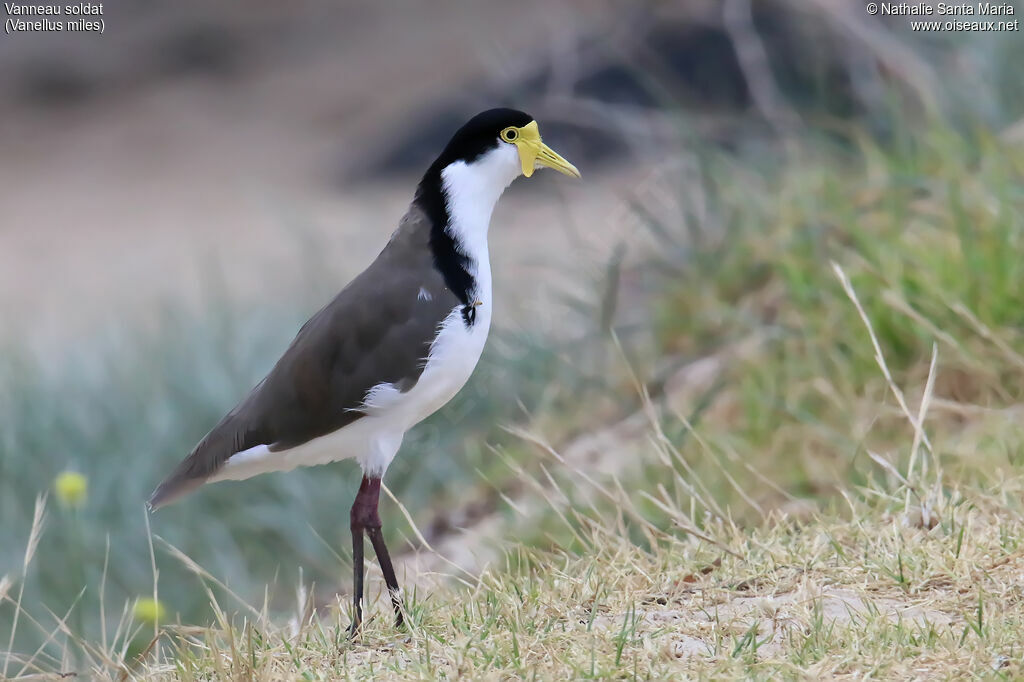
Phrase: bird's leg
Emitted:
{"points": [[384, 559], [364, 517], [357, 567]]}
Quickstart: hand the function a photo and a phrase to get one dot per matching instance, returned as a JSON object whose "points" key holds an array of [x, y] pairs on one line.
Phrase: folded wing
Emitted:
{"points": [[378, 330]]}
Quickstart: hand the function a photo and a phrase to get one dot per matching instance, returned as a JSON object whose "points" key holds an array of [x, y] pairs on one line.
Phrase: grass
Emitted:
{"points": [[841, 498], [795, 600]]}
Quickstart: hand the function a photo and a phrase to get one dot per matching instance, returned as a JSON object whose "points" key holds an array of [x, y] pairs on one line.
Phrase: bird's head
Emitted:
{"points": [[506, 141]]}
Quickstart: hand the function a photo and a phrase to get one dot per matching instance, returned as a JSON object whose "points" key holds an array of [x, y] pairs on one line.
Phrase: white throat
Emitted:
{"points": [[472, 190]]}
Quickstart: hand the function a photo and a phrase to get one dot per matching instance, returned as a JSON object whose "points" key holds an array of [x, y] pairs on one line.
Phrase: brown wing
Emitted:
{"points": [[377, 330]]}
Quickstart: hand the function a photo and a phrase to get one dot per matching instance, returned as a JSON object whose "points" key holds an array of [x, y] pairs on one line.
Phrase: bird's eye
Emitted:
{"points": [[509, 134]]}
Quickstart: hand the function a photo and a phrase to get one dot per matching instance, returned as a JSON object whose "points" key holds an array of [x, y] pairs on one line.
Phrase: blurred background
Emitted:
{"points": [[180, 193]]}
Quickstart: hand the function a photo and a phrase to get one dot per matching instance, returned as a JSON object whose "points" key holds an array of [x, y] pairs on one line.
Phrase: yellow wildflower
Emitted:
{"points": [[149, 610], [72, 488]]}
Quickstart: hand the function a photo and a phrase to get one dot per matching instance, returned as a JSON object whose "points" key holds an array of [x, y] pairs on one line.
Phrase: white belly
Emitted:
{"points": [[374, 439]]}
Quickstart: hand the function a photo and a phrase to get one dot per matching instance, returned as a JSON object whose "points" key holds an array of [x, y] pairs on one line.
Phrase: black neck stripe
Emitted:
{"points": [[451, 262]]}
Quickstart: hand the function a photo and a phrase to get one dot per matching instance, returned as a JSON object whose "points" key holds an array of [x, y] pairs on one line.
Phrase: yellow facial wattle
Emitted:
{"points": [[533, 152]]}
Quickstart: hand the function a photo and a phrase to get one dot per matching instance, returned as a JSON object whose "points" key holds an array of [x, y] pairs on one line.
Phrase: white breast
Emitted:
{"points": [[453, 356]]}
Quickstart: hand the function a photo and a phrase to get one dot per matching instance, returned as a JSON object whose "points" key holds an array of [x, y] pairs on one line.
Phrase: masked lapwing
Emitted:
{"points": [[394, 346]]}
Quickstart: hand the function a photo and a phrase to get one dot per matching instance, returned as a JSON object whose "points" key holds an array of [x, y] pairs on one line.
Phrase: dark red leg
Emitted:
{"points": [[357, 574], [365, 518]]}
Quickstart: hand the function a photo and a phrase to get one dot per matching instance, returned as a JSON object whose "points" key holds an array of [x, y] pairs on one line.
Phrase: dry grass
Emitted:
{"points": [[867, 595], [873, 593]]}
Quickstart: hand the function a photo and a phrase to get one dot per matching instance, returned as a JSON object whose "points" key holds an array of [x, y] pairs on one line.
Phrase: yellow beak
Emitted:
{"points": [[533, 152]]}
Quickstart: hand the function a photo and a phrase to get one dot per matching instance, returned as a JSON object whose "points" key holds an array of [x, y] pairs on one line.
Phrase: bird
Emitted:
{"points": [[395, 345]]}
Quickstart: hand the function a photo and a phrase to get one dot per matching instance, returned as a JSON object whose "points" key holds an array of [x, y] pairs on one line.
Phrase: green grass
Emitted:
{"points": [[928, 235]]}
